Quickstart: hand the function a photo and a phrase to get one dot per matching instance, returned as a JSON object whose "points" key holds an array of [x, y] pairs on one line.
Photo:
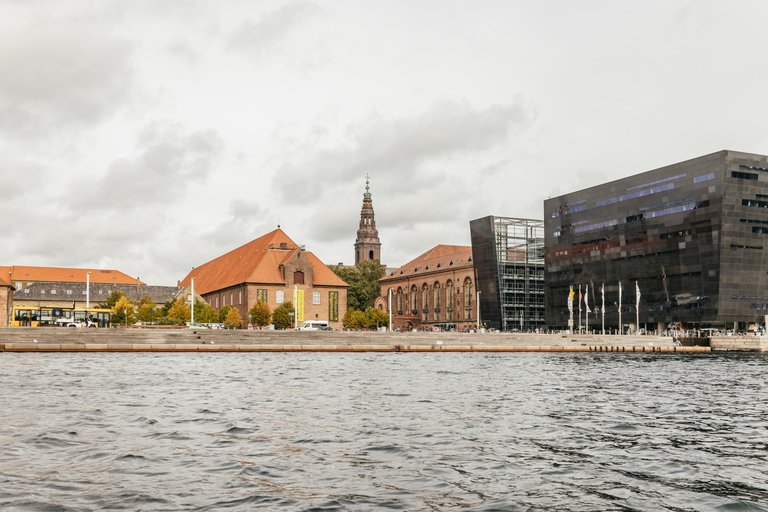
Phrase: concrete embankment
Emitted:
{"points": [[49, 339]]}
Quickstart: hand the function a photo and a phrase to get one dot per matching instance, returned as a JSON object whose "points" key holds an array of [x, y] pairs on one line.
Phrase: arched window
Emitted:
{"points": [[436, 300], [449, 300], [280, 297], [400, 301], [298, 277], [468, 298], [424, 302], [370, 255], [414, 295]]}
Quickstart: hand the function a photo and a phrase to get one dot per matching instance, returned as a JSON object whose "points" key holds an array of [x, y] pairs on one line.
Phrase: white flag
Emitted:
{"points": [[637, 291], [602, 292], [570, 300], [619, 295], [586, 300]]}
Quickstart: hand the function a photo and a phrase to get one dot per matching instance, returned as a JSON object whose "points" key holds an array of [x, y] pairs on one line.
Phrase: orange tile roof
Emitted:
{"points": [[437, 259], [69, 275], [258, 261], [5, 274]]}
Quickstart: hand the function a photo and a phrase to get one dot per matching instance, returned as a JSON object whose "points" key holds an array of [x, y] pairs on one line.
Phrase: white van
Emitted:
{"points": [[314, 325]]}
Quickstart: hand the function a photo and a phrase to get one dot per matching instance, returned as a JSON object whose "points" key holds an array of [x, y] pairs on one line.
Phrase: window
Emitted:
{"points": [[706, 177], [280, 296], [744, 175], [26, 290], [53, 292], [240, 297], [18, 285], [316, 298], [42, 292], [298, 277], [232, 298], [69, 292]]}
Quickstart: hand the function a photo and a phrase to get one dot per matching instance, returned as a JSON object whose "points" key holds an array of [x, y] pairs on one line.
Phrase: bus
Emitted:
{"points": [[30, 316]]}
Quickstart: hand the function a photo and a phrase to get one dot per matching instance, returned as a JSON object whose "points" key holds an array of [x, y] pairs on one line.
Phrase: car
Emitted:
{"points": [[313, 325], [195, 325]]}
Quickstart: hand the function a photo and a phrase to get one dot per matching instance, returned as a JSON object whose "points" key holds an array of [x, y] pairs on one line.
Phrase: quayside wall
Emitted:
{"points": [[48, 339]]}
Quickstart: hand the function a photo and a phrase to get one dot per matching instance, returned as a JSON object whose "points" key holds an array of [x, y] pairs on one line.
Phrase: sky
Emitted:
{"points": [[152, 136]]}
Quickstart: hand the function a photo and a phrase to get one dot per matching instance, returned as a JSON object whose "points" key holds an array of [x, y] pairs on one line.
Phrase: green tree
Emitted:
{"points": [[354, 319], [179, 312], [363, 281], [223, 314], [376, 318], [280, 316], [260, 314], [204, 313], [233, 319], [112, 300], [145, 313], [123, 308]]}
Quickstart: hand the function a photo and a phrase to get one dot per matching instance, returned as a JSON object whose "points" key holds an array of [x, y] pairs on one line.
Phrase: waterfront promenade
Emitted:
{"points": [[47, 339]]}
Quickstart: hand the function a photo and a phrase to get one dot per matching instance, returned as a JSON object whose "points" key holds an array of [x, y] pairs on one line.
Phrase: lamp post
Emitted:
{"points": [[390, 311], [87, 290], [192, 302]]}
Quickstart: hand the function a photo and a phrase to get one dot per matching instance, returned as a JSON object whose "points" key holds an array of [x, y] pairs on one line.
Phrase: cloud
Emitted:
{"points": [[255, 38], [55, 75], [168, 162], [401, 147]]}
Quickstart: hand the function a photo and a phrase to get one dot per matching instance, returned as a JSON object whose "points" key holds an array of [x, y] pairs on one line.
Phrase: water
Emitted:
{"points": [[399, 431]]}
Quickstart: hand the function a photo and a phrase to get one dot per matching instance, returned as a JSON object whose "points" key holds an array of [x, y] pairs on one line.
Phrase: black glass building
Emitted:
{"points": [[693, 237], [508, 255]]}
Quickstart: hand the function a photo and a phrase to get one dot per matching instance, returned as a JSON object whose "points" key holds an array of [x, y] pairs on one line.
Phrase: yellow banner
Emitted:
{"points": [[299, 306]]}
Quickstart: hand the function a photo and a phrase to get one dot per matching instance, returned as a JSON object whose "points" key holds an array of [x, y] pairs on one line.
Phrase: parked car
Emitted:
{"points": [[195, 325]]}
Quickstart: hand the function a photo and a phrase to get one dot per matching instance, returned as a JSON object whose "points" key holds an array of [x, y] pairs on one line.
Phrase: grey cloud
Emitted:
{"points": [[169, 160], [259, 36], [398, 149], [55, 74]]}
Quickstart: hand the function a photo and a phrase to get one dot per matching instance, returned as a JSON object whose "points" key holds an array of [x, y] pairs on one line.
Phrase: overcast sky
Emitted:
{"points": [[152, 136]]}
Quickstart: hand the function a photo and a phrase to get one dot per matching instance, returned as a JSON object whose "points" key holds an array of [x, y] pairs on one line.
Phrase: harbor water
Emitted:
{"points": [[377, 431]]}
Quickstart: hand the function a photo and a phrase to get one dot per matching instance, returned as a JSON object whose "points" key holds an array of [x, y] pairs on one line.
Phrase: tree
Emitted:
{"points": [[146, 305], [354, 319], [179, 312], [223, 314], [122, 308], [260, 314], [233, 318], [280, 315], [204, 313], [363, 281], [376, 318], [112, 300]]}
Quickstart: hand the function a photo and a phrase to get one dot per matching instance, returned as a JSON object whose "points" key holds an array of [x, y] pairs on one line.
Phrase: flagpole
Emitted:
{"points": [[621, 326], [579, 308], [637, 306], [602, 291], [586, 305]]}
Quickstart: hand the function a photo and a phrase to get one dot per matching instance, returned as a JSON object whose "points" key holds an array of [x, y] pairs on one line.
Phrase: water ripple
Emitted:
{"points": [[351, 432]]}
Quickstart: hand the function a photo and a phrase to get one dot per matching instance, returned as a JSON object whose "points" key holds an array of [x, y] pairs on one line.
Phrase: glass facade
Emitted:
{"points": [[687, 235], [508, 255]]}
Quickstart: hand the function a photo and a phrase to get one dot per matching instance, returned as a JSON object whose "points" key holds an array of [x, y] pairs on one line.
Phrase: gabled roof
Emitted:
{"points": [[256, 262], [67, 275], [438, 259]]}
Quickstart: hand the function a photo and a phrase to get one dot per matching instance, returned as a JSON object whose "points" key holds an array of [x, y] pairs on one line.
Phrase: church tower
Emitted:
{"points": [[367, 245]]}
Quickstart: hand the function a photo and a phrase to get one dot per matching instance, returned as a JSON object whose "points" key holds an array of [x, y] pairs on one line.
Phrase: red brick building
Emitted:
{"points": [[272, 269], [437, 289]]}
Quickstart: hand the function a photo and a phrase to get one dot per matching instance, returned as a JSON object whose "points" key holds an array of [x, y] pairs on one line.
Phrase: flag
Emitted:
{"points": [[637, 292], [619, 295], [602, 292], [579, 298], [586, 300], [570, 300]]}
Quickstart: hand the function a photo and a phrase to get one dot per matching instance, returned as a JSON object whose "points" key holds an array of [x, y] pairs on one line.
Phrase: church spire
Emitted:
{"points": [[367, 244]]}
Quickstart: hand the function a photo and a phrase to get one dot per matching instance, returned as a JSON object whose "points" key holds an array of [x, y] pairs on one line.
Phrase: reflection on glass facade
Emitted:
{"points": [[685, 234], [509, 263]]}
